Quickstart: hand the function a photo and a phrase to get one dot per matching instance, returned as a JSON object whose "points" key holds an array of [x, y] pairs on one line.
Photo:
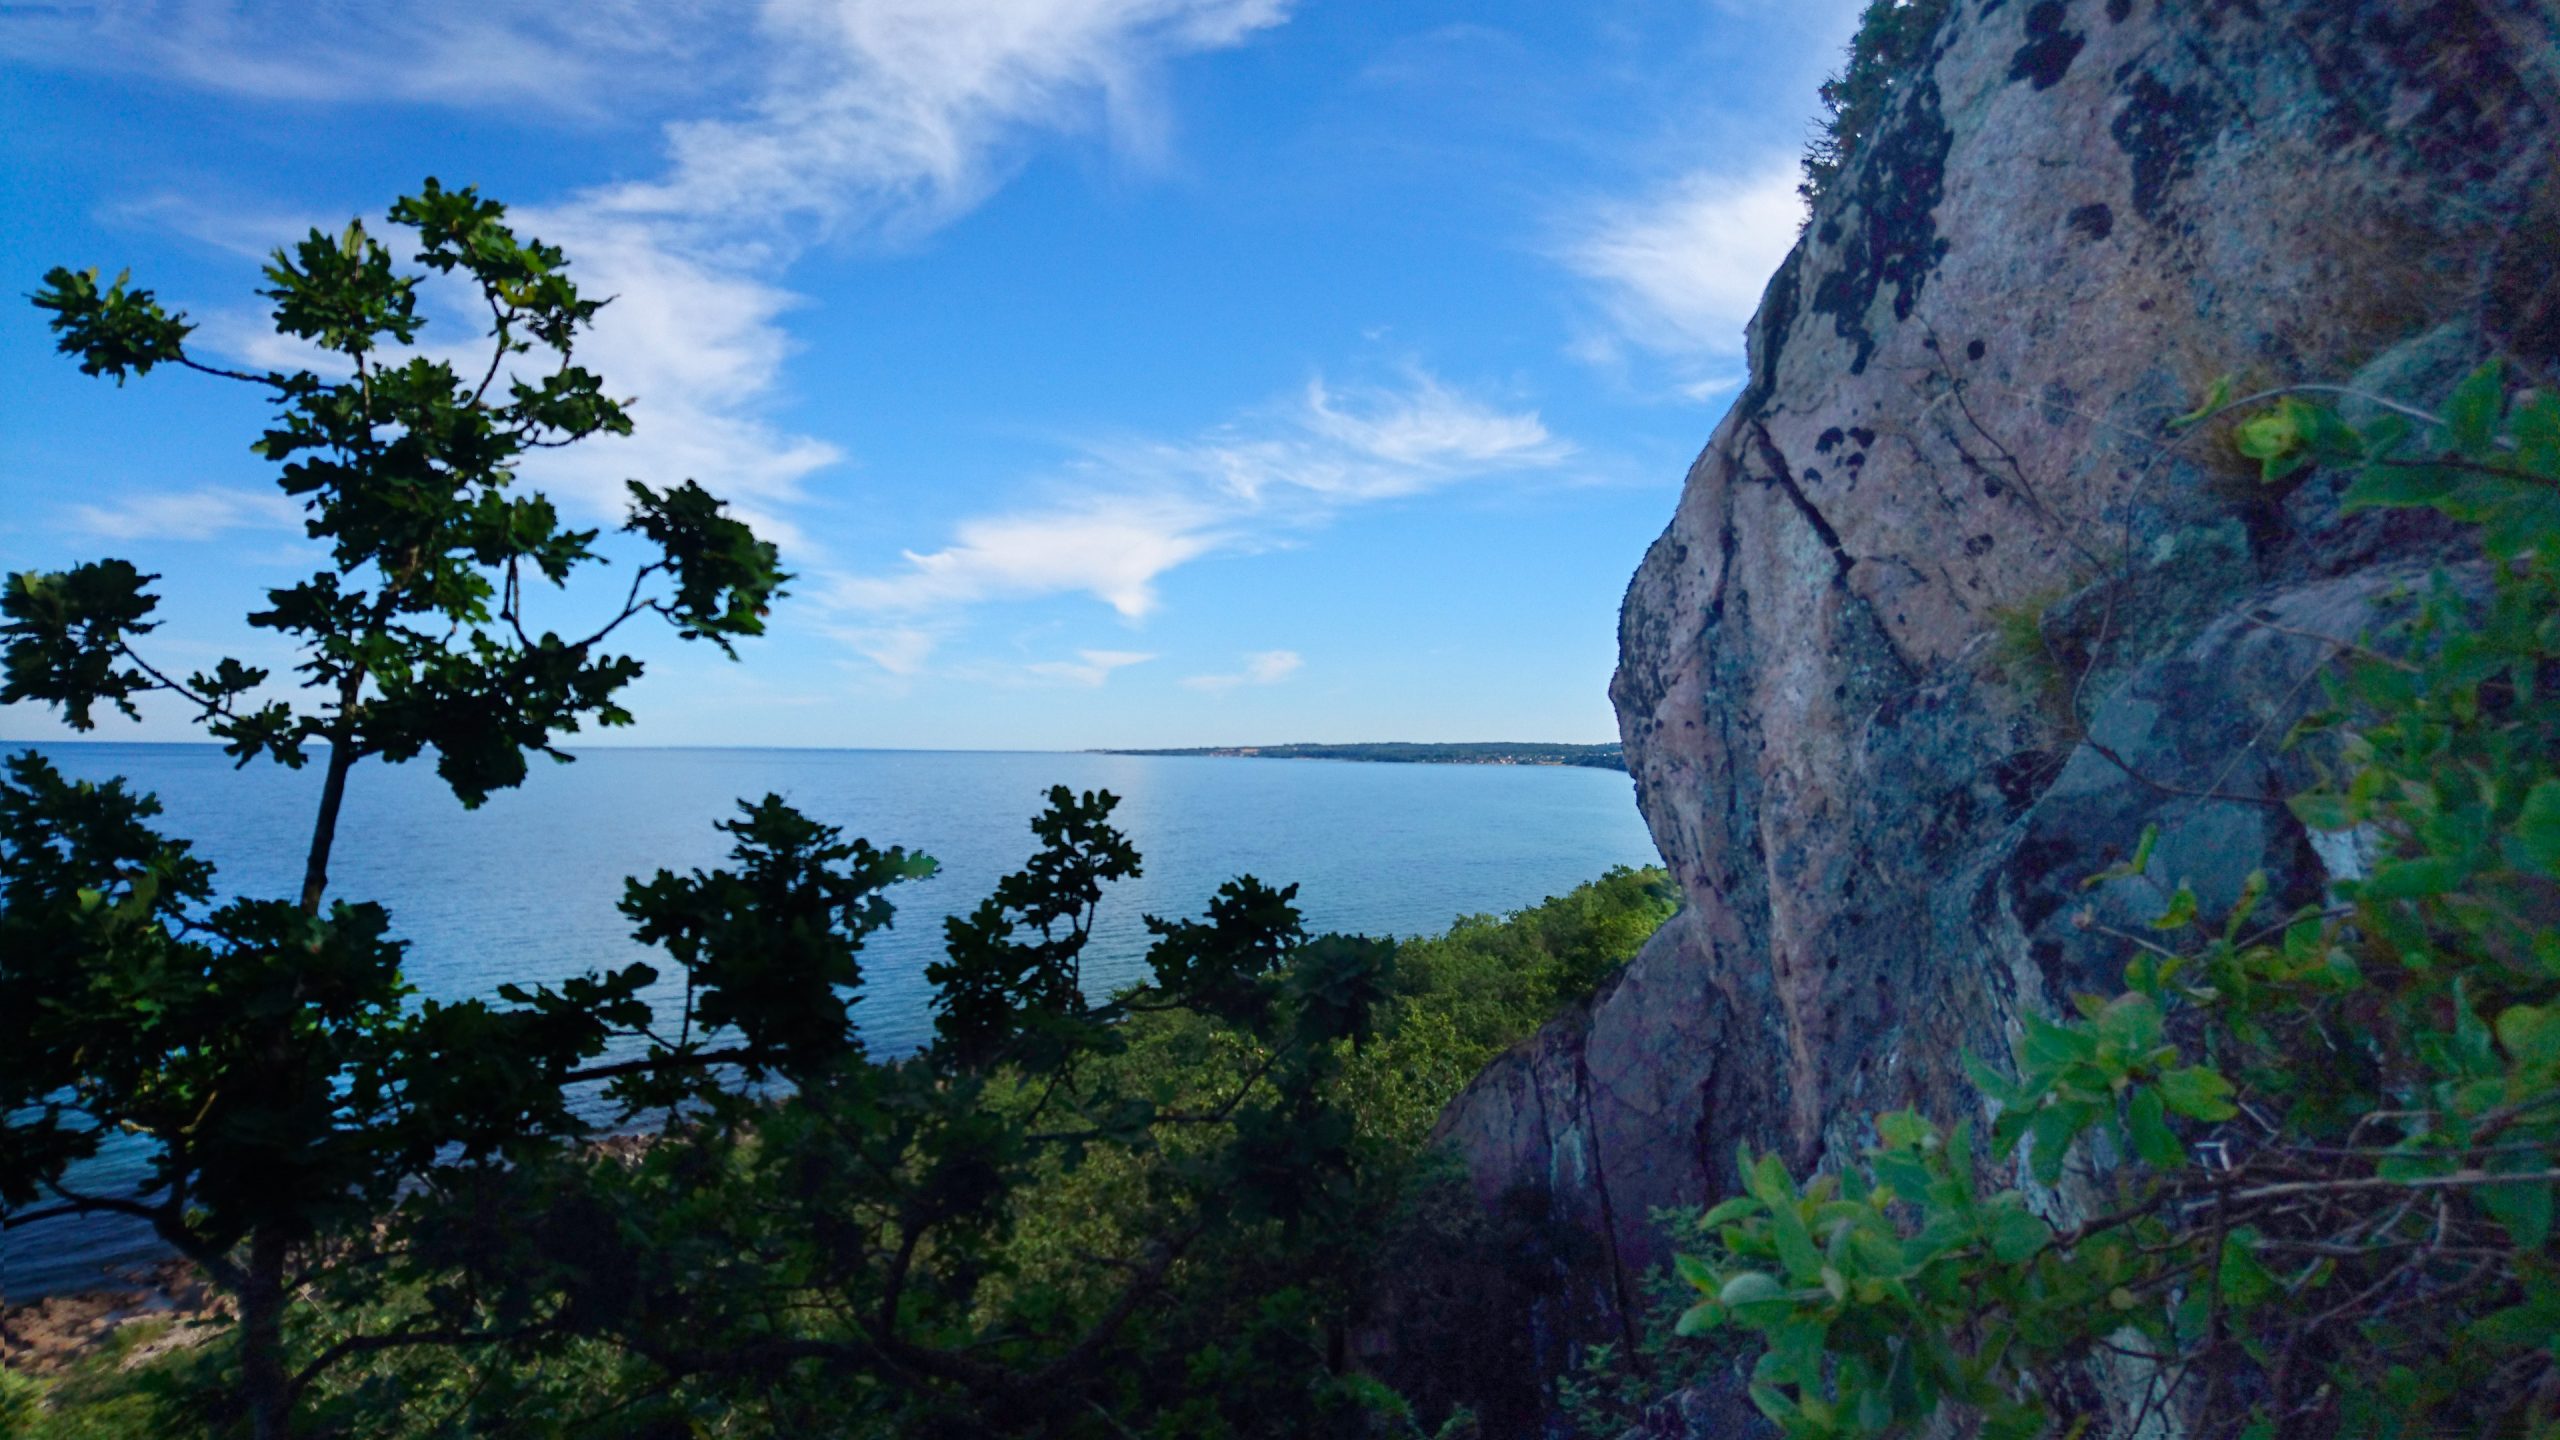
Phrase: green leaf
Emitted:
{"points": [[2133, 1022], [2198, 1092], [2535, 423], [2043, 1044], [2253, 889], [2325, 810], [2531, 1034], [1773, 1403], [2244, 1281], [1698, 1319], [1771, 1185], [2525, 1211], [2537, 829], [1750, 1287], [2413, 879], [2181, 911], [1698, 1273], [2216, 397], [2147, 1117], [2270, 434], [1906, 1129], [2400, 485], [2049, 1137], [2471, 412], [1731, 1210], [2470, 1033], [1795, 1244], [2016, 1233]]}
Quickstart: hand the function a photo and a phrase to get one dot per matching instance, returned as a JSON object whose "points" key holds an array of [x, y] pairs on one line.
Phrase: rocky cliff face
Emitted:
{"points": [[1946, 616]]}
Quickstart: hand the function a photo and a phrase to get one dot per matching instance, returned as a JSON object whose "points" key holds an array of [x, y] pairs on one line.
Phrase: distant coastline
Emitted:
{"points": [[1400, 752]]}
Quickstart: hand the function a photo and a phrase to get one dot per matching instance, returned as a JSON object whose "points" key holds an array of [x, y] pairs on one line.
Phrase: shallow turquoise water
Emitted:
{"points": [[524, 888]]}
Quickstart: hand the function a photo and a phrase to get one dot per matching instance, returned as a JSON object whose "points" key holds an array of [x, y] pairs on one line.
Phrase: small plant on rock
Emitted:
{"points": [[2299, 1177]]}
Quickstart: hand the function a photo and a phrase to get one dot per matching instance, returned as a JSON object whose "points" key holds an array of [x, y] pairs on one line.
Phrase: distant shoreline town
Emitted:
{"points": [[1490, 752]]}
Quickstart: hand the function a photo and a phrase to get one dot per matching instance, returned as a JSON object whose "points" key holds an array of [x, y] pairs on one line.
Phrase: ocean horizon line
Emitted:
{"points": [[1137, 751]]}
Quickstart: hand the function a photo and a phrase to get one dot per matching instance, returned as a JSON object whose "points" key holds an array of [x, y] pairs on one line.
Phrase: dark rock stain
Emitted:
{"points": [[2097, 222], [1777, 314], [1895, 244], [2050, 49], [2161, 130], [2118, 10]]}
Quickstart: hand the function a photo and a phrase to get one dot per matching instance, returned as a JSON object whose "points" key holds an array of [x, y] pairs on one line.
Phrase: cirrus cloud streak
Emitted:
{"points": [[1126, 512]]}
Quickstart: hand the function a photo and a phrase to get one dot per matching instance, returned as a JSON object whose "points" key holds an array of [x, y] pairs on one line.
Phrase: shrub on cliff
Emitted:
{"points": [[2298, 1178], [1892, 39]]}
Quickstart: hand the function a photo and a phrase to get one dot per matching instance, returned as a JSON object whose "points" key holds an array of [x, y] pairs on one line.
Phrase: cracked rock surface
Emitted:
{"points": [[1880, 801]]}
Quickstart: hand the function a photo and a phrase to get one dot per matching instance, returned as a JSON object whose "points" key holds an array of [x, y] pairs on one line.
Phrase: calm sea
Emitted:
{"points": [[524, 888]]}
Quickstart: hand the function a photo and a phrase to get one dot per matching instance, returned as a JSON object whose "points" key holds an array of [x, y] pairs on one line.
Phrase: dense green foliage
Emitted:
{"points": [[392, 1194], [267, 1045], [1893, 37], [1064, 1215], [2298, 1178], [1156, 1212], [1241, 1338]]}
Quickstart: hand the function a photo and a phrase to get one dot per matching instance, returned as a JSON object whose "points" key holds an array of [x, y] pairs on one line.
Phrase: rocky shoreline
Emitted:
{"points": [[48, 1336]]}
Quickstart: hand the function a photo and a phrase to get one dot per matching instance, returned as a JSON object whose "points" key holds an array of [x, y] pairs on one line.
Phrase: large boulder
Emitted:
{"points": [[1947, 614]]}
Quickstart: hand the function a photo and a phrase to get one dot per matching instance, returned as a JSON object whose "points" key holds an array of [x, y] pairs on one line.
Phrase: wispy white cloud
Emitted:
{"points": [[901, 650], [1265, 667], [1679, 271], [1128, 511], [896, 113], [196, 514], [1109, 546], [1090, 667], [589, 58], [701, 346], [881, 116], [249, 229], [837, 117]]}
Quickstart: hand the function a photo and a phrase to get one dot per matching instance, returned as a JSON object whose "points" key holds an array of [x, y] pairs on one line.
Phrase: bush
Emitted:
{"points": [[2298, 1178], [1245, 1337], [1893, 38]]}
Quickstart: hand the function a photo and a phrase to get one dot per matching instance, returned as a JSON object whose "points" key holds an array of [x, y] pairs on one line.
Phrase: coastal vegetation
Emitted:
{"points": [[266, 1046], [2294, 1174], [558, 1210], [1892, 38], [1237, 1344]]}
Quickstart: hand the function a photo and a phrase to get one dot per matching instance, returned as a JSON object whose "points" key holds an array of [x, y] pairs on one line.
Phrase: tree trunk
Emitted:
{"points": [[324, 831], [262, 1372]]}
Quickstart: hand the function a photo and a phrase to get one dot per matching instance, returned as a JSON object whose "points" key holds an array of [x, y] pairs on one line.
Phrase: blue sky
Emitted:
{"points": [[1112, 372]]}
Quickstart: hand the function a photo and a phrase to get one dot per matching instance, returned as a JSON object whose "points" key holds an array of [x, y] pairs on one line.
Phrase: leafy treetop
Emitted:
{"points": [[291, 1083]]}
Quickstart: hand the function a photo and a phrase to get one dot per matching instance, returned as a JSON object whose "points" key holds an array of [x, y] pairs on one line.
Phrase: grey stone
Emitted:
{"points": [[1956, 413]]}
